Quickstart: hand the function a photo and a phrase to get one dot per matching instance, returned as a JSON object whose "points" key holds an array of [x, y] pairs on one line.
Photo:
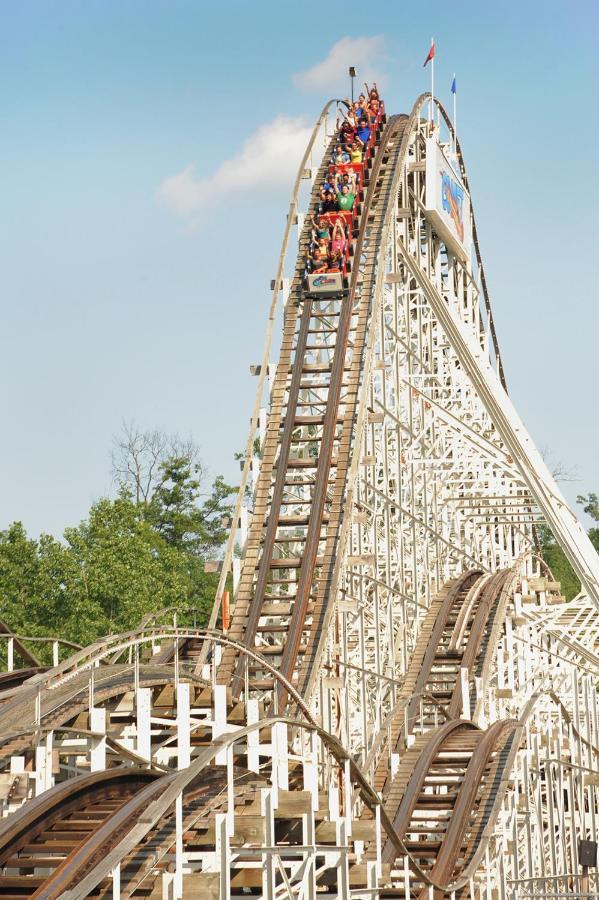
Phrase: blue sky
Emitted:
{"points": [[135, 268]]}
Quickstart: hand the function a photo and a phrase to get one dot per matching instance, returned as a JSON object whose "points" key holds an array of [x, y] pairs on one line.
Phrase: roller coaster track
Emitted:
{"points": [[55, 830], [379, 762], [295, 533], [444, 795], [32, 708]]}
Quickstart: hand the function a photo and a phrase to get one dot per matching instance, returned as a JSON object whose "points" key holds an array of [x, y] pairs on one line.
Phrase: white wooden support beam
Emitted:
{"points": [[116, 882], [97, 722], [219, 717], [183, 726], [347, 797], [378, 841], [253, 738], [43, 765], [309, 841], [343, 861], [465, 690], [230, 793], [143, 710], [310, 777], [223, 856], [268, 862], [168, 881], [10, 654], [280, 755], [179, 855]]}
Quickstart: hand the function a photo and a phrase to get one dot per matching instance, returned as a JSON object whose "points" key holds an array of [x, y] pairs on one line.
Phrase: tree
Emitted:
{"points": [[591, 508], [558, 562], [111, 570], [137, 457], [591, 505], [134, 554]]}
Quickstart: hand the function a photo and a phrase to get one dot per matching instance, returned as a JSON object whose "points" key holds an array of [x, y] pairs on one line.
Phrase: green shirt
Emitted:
{"points": [[345, 201]]}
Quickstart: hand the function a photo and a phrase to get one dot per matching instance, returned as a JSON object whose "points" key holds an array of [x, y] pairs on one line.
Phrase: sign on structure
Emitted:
{"points": [[447, 201], [325, 283]]}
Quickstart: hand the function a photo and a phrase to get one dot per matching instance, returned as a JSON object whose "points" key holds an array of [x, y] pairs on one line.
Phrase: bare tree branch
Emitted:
{"points": [[137, 456], [558, 468]]}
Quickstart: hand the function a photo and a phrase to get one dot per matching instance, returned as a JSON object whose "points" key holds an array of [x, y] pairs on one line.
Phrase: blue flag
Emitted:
{"points": [[453, 87]]}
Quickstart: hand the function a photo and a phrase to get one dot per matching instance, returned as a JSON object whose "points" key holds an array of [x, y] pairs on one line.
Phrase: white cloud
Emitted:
{"points": [[268, 159], [365, 53]]}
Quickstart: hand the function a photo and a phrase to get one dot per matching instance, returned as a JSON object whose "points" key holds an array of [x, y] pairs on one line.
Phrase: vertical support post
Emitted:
{"points": [[253, 738], [465, 690], [97, 722], [379, 846], [280, 760], [343, 862], [179, 859], [143, 702], [219, 716], [309, 841], [43, 765], [268, 866], [10, 654], [347, 798], [183, 726], [116, 882]]}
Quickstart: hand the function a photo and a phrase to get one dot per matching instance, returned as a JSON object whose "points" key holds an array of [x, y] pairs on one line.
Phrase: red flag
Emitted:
{"points": [[431, 54]]}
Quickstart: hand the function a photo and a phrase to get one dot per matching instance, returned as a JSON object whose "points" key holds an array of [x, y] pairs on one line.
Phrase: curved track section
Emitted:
{"points": [[444, 795], [31, 710], [51, 833]]}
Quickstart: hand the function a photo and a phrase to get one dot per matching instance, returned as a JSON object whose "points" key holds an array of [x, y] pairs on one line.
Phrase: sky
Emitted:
{"points": [[147, 153]]}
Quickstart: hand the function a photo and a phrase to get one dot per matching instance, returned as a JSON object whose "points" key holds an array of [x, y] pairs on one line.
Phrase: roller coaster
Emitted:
{"points": [[399, 702]]}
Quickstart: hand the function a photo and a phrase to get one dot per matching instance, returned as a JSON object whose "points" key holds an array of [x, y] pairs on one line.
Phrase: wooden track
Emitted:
{"points": [[284, 590]]}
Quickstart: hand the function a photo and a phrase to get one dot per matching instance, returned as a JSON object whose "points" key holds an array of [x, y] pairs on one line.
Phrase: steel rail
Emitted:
{"points": [[366, 255], [41, 813], [272, 523], [409, 801], [261, 539], [250, 610], [313, 536], [374, 306], [291, 216], [406, 709]]}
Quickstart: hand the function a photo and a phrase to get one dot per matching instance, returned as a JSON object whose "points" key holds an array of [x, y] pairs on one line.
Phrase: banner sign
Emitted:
{"points": [[325, 283], [447, 201]]}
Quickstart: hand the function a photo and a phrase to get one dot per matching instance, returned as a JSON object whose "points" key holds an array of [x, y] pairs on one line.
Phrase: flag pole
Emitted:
{"points": [[433, 83], [455, 118]]}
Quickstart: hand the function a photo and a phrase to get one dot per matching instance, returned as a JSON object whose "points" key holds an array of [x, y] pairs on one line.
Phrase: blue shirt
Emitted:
{"points": [[344, 157], [364, 134]]}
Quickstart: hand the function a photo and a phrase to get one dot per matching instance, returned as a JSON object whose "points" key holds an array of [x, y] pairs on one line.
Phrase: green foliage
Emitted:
{"points": [[129, 557], [591, 505], [556, 558], [557, 561]]}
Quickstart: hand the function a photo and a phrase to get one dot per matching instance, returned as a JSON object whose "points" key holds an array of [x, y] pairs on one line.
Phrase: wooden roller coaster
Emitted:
{"points": [[403, 704]]}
